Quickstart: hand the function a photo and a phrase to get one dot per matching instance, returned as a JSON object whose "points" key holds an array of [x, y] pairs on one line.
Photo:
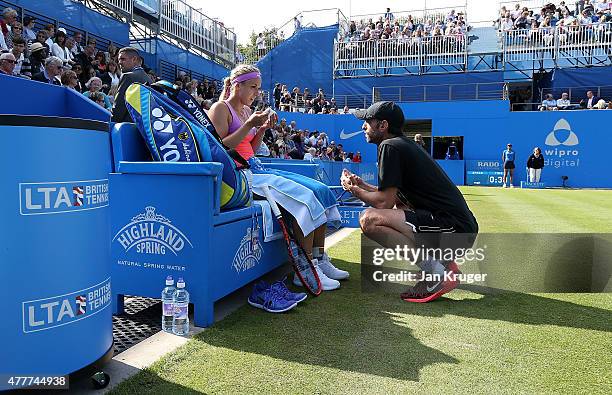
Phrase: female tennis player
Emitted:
{"points": [[309, 203]]}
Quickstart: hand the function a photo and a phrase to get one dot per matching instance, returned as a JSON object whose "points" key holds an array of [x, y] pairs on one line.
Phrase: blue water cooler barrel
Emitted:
{"points": [[54, 256]]}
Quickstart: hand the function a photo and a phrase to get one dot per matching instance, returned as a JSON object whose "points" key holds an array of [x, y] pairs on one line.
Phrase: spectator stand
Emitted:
{"points": [[176, 23], [41, 20], [410, 49], [556, 40]]}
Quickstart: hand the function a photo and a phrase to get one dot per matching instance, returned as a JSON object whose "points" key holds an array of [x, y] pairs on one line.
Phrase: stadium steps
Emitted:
{"points": [[484, 41]]}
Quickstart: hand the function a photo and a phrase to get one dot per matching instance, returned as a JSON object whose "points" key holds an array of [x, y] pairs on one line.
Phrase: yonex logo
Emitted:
{"points": [[190, 104], [162, 121], [561, 125]]}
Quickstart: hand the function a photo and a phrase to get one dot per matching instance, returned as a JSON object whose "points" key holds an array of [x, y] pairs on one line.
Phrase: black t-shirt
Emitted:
{"points": [[421, 182]]}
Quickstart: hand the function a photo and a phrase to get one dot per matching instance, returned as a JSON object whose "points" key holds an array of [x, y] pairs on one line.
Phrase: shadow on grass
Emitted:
{"points": [[147, 382], [343, 329], [358, 332]]}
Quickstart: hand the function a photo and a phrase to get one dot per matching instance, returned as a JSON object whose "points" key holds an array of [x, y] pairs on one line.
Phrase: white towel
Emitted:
{"points": [[268, 222]]}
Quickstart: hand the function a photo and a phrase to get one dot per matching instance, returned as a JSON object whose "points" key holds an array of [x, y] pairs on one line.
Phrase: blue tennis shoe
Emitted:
{"points": [[281, 288], [269, 299]]}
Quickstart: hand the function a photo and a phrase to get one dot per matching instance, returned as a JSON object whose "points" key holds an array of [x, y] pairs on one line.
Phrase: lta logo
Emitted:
{"points": [[561, 135], [151, 233]]}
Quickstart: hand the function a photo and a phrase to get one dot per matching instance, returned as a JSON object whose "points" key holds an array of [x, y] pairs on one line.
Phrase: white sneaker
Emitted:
{"points": [[330, 270], [503, 185], [327, 283], [511, 186]]}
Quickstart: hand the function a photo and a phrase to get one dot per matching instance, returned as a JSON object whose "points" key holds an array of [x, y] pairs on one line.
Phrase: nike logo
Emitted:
{"points": [[345, 136], [429, 289]]}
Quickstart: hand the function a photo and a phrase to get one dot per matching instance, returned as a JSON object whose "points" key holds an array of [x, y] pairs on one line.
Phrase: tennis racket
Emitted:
{"points": [[302, 265]]}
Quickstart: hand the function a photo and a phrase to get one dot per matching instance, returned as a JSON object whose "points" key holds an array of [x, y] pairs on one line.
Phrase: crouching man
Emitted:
{"points": [[415, 202]]}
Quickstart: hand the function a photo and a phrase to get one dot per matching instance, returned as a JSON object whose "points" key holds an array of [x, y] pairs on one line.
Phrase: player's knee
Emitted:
{"points": [[368, 220]]}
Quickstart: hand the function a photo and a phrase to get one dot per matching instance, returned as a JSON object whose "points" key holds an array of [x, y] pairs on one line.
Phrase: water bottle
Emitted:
{"points": [[180, 321], [168, 304]]}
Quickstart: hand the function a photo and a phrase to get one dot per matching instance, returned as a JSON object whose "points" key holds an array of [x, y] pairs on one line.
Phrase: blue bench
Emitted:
{"points": [[166, 220]]}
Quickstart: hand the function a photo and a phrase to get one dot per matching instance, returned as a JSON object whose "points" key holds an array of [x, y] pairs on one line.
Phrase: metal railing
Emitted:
{"points": [[532, 5], [446, 92], [124, 6], [382, 56], [556, 43], [416, 16]]}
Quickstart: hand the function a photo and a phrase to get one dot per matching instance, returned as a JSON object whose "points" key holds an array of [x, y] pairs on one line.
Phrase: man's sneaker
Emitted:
{"points": [[503, 185], [281, 288], [328, 284], [511, 185], [425, 291], [268, 299], [330, 270]]}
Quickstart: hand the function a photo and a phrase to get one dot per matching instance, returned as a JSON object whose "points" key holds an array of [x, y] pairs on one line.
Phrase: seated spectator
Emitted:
{"points": [[101, 62], [563, 103], [78, 71], [60, 50], [78, 40], [7, 63], [38, 54], [601, 104], [28, 28], [53, 69], [111, 77], [548, 104], [9, 17], [50, 29], [310, 154], [41, 37], [16, 31], [98, 98], [86, 58], [590, 101], [22, 65], [69, 79], [94, 85], [357, 157]]}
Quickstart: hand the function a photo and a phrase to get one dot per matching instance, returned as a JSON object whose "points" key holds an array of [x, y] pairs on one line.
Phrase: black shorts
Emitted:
{"points": [[509, 165], [439, 230]]}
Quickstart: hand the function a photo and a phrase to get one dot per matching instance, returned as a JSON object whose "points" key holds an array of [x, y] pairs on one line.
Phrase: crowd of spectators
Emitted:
{"points": [[305, 101], [591, 102], [287, 141], [53, 56], [588, 19], [452, 27]]}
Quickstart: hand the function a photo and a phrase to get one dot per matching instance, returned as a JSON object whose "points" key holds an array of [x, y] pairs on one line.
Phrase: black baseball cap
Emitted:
{"points": [[383, 111]]}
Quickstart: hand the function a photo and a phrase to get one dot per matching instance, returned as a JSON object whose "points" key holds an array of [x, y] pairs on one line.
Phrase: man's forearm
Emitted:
{"points": [[373, 198]]}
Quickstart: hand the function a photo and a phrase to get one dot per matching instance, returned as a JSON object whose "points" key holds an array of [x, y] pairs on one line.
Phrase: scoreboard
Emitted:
{"points": [[483, 172]]}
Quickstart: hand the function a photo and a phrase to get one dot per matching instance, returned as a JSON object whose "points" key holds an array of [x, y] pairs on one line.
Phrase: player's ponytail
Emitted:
{"points": [[227, 86]]}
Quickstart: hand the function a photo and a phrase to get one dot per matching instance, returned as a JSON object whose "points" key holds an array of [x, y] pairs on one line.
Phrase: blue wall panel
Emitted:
{"points": [[79, 16], [304, 60], [188, 60], [352, 86]]}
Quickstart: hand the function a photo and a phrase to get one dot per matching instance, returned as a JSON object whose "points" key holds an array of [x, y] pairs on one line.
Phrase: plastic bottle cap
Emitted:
{"points": [[180, 283], [169, 280]]}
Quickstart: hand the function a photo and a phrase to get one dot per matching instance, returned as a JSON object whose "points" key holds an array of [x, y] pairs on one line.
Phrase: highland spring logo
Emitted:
{"points": [[561, 136], [151, 233], [248, 253]]}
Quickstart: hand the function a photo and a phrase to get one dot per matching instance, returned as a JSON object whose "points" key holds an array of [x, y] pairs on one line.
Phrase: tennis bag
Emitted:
{"points": [[174, 135]]}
